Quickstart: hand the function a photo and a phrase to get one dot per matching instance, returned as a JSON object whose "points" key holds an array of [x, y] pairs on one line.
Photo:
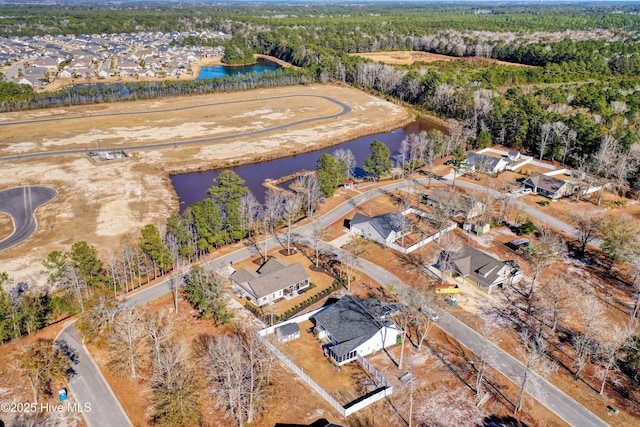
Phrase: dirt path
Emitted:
{"points": [[104, 203]]}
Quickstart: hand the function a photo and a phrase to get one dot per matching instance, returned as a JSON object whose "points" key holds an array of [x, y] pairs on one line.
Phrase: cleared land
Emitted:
{"points": [[409, 57], [102, 203]]}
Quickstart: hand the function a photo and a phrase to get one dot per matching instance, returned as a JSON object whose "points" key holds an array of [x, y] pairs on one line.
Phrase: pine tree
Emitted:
{"points": [[379, 163], [328, 174]]}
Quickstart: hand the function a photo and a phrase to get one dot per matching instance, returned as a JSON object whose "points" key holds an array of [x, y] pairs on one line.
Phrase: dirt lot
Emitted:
{"points": [[408, 57], [102, 203], [6, 226]]}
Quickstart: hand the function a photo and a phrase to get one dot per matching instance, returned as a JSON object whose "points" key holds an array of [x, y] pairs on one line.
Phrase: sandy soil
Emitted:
{"points": [[6, 226], [102, 203], [409, 57]]}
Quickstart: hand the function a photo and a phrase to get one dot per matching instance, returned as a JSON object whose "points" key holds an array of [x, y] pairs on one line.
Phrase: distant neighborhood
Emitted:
{"points": [[37, 61]]}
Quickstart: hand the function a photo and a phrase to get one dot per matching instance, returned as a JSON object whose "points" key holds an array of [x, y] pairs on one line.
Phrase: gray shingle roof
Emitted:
{"points": [[350, 322], [384, 224], [482, 267], [271, 277], [287, 329], [547, 183]]}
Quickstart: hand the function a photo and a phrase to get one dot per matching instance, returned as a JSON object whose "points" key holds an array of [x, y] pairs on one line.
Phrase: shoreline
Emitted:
{"points": [[59, 84]]}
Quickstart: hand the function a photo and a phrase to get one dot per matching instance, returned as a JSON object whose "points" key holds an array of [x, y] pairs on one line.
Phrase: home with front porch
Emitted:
{"points": [[273, 281]]}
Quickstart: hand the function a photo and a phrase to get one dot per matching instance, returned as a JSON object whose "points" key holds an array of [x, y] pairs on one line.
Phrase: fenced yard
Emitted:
{"points": [[348, 388]]}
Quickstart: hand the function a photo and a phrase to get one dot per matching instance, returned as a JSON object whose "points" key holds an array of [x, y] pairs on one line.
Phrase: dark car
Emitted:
{"points": [[449, 162]]}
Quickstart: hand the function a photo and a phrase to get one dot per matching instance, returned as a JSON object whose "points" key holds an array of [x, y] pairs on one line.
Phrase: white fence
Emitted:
{"points": [[298, 319], [423, 242], [306, 378], [386, 391], [344, 411]]}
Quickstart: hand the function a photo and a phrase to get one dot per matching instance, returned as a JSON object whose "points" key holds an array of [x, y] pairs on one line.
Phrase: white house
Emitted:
{"points": [[274, 280], [486, 164], [384, 229], [353, 327]]}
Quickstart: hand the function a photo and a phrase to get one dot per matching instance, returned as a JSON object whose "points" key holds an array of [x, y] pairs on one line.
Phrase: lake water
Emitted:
{"points": [[192, 187], [219, 71]]}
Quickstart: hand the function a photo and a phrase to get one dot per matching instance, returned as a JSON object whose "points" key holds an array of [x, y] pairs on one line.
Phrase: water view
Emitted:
{"points": [[192, 187], [220, 71]]}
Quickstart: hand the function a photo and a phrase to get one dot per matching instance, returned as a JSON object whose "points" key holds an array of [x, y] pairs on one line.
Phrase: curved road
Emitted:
{"points": [[345, 110], [546, 393], [21, 203]]}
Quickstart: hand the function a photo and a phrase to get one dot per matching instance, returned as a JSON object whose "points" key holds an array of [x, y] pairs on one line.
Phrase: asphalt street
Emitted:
{"points": [[345, 110], [21, 203], [90, 386]]}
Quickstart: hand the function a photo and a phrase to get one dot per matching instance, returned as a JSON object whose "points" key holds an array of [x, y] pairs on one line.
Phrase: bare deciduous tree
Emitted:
{"points": [[446, 406], [611, 342], [591, 314], [545, 132], [251, 211], [346, 156], [350, 256], [290, 211], [535, 360], [309, 188], [557, 295], [588, 226], [238, 367], [176, 386], [158, 328], [549, 249], [125, 339]]}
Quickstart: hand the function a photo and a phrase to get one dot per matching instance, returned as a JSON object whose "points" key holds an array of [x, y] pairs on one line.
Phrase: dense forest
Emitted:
{"points": [[575, 101]]}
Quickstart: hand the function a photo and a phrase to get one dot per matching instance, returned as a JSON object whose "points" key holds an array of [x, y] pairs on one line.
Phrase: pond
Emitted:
{"points": [[219, 71], [192, 187]]}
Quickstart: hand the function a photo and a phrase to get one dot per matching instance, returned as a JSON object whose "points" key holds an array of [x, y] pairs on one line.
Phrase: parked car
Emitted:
{"points": [[449, 162], [527, 191]]}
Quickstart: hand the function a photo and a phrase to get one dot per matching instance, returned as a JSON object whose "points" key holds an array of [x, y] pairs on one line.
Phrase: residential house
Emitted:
{"points": [[479, 268], [384, 229], [274, 280], [354, 327], [464, 205], [50, 64], [65, 73], [549, 186], [486, 164]]}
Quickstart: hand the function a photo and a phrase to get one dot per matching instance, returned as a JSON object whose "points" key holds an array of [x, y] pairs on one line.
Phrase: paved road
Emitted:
{"points": [[11, 72], [90, 388], [557, 401], [345, 110], [21, 203]]}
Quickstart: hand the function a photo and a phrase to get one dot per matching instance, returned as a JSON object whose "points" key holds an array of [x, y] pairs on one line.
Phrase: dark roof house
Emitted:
{"points": [[354, 327], [486, 164], [384, 229], [481, 269], [549, 186]]}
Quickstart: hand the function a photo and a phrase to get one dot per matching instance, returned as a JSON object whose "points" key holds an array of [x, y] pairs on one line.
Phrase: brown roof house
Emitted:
{"points": [[274, 280], [549, 186], [479, 268]]}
